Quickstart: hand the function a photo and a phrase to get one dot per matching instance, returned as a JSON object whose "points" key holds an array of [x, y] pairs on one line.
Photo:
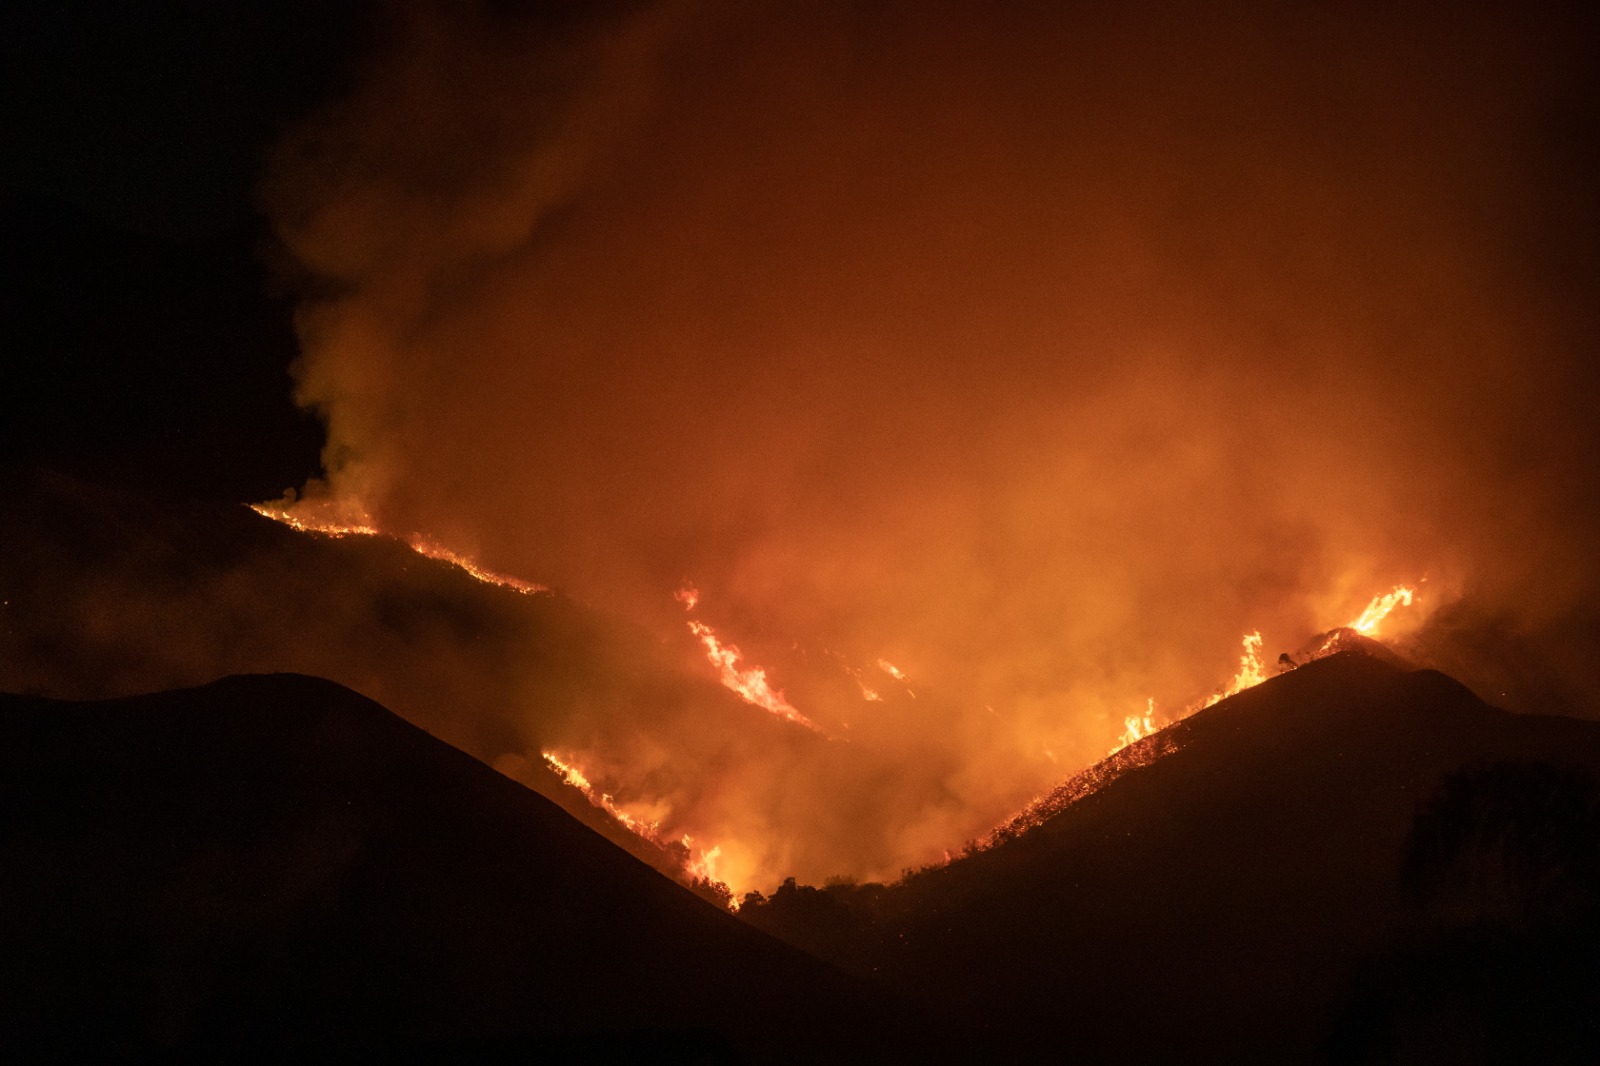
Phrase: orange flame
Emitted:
{"points": [[705, 867], [361, 525], [899, 675], [1251, 671], [572, 775], [1367, 624], [327, 525], [1135, 727], [434, 550], [696, 867], [750, 682], [752, 685]]}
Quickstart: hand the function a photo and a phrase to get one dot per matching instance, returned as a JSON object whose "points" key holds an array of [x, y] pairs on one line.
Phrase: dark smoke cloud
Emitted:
{"points": [[1042, 352]]}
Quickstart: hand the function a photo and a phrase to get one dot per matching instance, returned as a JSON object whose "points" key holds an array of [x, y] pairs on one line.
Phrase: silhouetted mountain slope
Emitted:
{"points": [[276, 866], [1255, 894]]}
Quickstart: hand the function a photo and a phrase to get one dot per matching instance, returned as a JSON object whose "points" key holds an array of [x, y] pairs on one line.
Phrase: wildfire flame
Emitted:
{"points": [[1135, 727], [895, 672], [705, 867], [752, 685], [1251, 671], [569, 773], [1367, 624], [572, 775], [750, 682], [701, 866], [361, 525]]}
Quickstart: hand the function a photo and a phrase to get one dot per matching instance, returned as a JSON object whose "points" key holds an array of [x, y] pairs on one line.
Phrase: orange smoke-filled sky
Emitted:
{"points": [[1040, 349]]}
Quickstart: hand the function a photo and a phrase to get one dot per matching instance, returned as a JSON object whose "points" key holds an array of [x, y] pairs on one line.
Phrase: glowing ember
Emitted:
{"points": [[361, 525], [1379, 609], [750, 682]]}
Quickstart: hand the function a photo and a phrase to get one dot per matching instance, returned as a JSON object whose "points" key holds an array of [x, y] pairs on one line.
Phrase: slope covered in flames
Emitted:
{"points": [[277, 865], [1352, 859]]}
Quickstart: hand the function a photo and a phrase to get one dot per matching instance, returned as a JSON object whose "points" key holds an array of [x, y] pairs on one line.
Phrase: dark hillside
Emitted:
{"points": [[278, 865], [1258, 893]]}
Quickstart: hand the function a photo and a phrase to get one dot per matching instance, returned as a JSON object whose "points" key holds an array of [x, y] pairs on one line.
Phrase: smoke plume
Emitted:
{"points": [[1039, 350]]}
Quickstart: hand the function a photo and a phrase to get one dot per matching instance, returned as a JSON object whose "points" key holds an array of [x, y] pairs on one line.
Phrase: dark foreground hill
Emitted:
{"points": [[1352, 862], [276, 867]]}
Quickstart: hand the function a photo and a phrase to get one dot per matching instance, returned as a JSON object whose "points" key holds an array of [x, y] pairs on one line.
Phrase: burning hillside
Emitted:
{"points": [[853, 423], [798, 439], [729, 848], [945, 339], [635, 731]]}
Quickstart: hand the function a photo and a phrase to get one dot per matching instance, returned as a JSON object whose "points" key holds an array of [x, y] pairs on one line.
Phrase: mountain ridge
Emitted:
{"points": [[1222, 902]]}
